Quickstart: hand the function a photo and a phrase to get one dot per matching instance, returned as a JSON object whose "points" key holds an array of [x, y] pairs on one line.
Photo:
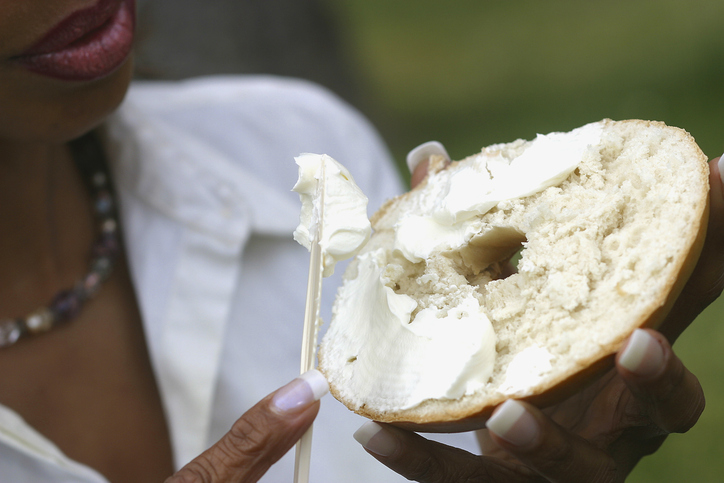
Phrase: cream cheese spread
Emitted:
{"points": [[328, 191], [450, 217], [397, 363]]}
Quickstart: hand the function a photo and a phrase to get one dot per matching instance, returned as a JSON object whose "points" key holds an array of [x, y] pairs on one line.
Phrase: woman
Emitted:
{"points": [[88, 384], [130, 385]]}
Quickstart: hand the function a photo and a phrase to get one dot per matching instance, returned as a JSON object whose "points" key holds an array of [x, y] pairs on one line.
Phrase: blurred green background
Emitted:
{"points": [[470, 73]]}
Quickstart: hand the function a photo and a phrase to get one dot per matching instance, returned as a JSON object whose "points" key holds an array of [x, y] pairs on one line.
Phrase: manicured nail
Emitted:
{"points": [[643, 355], [424, 151], [301, 392], [376, 439], [514, 424], [721, 168]]}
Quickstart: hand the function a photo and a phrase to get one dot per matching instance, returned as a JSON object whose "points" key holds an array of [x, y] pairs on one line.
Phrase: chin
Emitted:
{"points": [[95, 103], [38, 109]]}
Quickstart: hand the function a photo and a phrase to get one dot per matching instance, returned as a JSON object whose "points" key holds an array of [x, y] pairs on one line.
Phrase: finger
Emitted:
{"points": [[487, 446], [419, 173], [261, 436], [418, 160], [419, 459], [671, 395], [707, 280], [545, 447]]}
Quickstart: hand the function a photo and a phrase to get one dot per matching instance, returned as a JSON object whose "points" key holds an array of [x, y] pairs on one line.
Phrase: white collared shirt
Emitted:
{"points": [[204, 171]]}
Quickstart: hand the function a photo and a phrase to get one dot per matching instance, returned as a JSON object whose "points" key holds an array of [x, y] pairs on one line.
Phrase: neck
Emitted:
{"points": [[46, 222]]}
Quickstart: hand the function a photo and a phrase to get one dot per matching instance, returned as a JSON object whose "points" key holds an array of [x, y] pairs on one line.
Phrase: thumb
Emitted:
{"points": [[419, 159], [261, 436]]}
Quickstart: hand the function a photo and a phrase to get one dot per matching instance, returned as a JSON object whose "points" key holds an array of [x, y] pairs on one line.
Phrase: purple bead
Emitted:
{"points": [[91, 283], [65, 305], [106, 246]]}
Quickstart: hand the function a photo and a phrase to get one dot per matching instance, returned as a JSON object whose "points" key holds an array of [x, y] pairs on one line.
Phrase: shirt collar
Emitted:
{"points": [[189, 180]]}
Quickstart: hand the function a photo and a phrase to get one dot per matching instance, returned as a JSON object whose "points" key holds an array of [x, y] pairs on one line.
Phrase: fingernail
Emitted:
{"points": [[514, 424], [643, 355], [376, 439], [301, 392], [721, 167], [424, 151]]}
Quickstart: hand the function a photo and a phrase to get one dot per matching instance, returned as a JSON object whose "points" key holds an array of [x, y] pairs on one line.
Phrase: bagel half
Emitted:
{"points": [[606, 248]]}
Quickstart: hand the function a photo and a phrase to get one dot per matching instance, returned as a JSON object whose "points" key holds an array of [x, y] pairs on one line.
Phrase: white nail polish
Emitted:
{"points": [[375, 439], [301, 392], [513, 423], [317, 382], [424, 151], [642, 355]]}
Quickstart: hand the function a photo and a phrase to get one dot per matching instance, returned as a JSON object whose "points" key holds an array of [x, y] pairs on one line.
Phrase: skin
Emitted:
{"points": [[88, 385], [599, 434]]}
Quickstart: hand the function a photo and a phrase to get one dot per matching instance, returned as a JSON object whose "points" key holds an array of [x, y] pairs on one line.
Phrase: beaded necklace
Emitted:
{"points": [[90, 160]]}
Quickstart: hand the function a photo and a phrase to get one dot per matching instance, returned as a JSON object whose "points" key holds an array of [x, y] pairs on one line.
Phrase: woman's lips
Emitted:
{"points": [[88, 45]]}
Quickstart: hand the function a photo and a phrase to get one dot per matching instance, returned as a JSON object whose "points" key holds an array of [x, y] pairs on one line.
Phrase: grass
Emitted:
{"points": [[471, 73]]}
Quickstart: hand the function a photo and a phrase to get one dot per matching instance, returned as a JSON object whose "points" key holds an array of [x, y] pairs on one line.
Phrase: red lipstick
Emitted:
{"points": [[87, 45]]}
